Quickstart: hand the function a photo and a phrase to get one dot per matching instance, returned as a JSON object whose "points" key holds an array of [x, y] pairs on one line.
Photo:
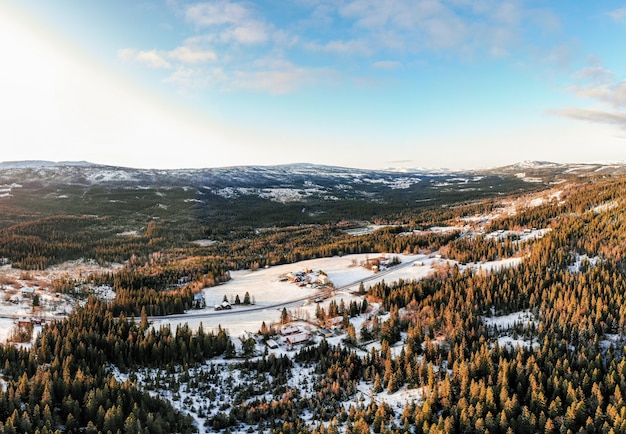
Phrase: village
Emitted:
{"points": [[28, 300], [286, 307]]}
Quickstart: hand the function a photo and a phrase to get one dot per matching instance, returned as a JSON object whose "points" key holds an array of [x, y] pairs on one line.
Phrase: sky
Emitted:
{"points": [[456, 84]]}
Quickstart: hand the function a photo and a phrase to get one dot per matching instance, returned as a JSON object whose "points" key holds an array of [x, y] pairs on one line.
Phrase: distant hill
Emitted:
{"points": [[256, 196]]}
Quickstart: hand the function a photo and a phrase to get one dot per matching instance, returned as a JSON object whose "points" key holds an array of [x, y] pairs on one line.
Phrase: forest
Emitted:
{"points": [[569, 377]]}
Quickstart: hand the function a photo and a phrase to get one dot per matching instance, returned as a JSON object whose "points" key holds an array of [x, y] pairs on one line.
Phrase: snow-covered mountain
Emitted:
{"points": [[246, 177], [285, 183], [260, 195]]}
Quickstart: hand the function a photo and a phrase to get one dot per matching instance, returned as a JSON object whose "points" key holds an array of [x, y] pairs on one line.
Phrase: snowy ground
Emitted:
{"points": [[268, 290], [580, 259], [367, 229], [503, 324], [15, 303], [527, 235], [6, 324]]}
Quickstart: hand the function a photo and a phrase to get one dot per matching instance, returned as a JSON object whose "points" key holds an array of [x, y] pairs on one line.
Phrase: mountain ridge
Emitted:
{"points": [[521, 165]]}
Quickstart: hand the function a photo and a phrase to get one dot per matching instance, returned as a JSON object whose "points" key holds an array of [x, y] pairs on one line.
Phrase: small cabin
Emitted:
{"points": [[298, 338], [223, 306]]}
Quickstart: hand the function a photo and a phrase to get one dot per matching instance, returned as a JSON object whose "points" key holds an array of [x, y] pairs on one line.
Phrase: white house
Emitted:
{"points": [[298, 338]]}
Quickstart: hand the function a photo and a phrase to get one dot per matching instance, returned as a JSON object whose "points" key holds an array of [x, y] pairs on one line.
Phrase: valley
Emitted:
{"points": [[313, 299]]}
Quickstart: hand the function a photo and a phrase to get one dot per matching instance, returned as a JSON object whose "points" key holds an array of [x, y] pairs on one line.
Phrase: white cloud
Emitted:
{"points": [[216, 13], [465, 27], [598, 84], [275, 76], [250, 32], [229, 22], [613, 94], [595, 74], [618, 15], [592, 115], [233, 35], [151, 58], [189, 55], [162, 59]]}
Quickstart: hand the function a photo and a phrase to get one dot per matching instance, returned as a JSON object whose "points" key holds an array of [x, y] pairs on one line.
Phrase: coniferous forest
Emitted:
{"points": [[105, 368]]}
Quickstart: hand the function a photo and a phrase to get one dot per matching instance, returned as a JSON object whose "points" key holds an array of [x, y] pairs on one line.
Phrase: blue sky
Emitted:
{"points": [[358, 83]]}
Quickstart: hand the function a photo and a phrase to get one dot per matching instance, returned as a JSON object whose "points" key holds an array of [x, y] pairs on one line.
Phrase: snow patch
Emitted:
{"points": [[506, 322], [204, 243], [128, 234], [605, 207], [580, 259], [523, 177]]}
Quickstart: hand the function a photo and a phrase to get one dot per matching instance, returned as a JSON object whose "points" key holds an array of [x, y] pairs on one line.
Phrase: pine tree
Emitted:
{"points": [[143, 324], [284, 316]]}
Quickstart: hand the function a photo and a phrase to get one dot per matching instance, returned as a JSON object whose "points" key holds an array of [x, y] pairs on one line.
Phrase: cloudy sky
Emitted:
{"points": [[357, 83]]}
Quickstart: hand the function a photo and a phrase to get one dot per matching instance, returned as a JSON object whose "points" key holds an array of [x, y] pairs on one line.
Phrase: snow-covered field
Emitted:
{"points": [[6, 324], [267, 289]]}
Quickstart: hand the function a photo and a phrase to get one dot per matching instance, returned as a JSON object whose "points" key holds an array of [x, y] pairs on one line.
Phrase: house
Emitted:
{"points": [[289, 330], [223, 306], [296, 277], [24, 321], [272, 344], [298, 338], [322, 279], [325, 333]]}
